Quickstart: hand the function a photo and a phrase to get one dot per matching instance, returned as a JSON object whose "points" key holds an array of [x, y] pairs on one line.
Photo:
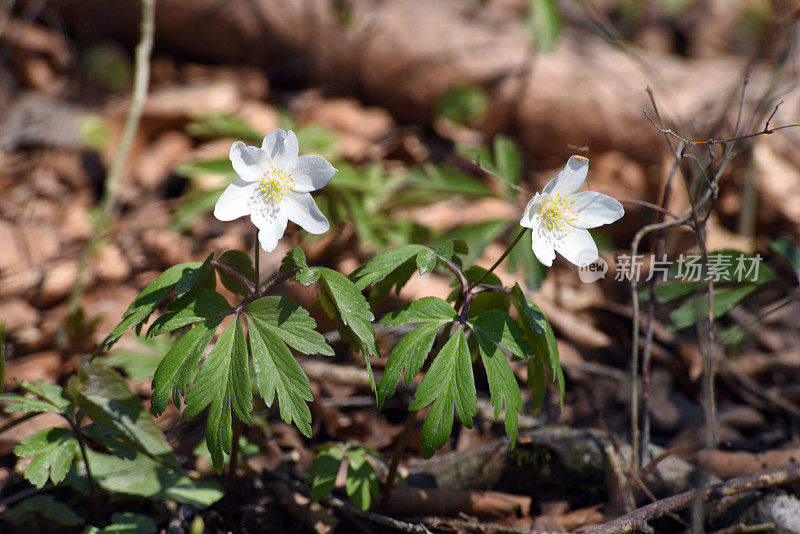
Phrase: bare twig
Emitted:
{"points": [[396, 457], [637, 520]]}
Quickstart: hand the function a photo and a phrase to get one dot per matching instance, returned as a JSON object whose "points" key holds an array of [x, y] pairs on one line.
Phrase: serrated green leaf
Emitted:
{"points": [[46, 506], [290, 322], [194, 307], [426, 261], [106, 398], [323, 471], [145, 477], [424, 310], [192, 277], [450, 385], [144, 304], [408, 357], [362, 481], [172, 375], [126, 523], [344, 303], [537, 382], [224, 382], [240, 262], [696, 308], [503, 387], [383, 264], [495, 327], [445, 251], [540, 335], [278, 372], [27, 405], [53, 450]]}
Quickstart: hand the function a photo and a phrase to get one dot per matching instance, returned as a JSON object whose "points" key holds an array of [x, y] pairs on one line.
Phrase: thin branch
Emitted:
{"points": [[637, 520]]}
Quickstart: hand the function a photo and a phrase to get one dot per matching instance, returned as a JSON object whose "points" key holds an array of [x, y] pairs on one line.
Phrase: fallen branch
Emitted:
{"points": [[637, 520]]}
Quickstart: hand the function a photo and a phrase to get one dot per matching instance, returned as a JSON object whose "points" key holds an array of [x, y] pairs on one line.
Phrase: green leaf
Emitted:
{"points": [[194, 206], [194, 307], [323, 471], [544, 24], [242, 263], [106, 398], [126, 523], [426, 261], [464, 104], [227, 125], [192, 277], [440, 181], [172, 374], [696, 308], [199, 167], [53, 451], [224, 382], [383, 264], [290, 322], [46, 506], [362, 481], [450, 385], [537, 382], [503, 387], [149, 298], [344, 303], [477, 236], [277, 371], [540, 335], [789, 252], [408, 357], [140, 363], [145, 477], [424, 310], [495, 327]]}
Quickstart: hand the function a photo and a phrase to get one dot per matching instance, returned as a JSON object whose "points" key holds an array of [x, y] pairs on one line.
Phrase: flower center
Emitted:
{"points": [[558, 213], [276, 184]]}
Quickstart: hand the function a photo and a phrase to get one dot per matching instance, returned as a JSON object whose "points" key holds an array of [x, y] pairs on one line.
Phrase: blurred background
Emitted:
{"points": [[443, 118]]}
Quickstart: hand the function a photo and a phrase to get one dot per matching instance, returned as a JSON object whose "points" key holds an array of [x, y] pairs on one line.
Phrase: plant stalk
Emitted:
{"points": [[396, 457], [95, 508], [503, 256], [233, 464]]}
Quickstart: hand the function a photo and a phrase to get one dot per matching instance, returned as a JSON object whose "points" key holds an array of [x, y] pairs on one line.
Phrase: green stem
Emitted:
{"points": [[500, 259], [396, 457], [230, 482], [95, 509], [257, 267]]}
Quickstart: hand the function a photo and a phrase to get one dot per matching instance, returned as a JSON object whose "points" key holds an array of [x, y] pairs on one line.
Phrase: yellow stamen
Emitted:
{"points": [[276, 184], [558, 213]]}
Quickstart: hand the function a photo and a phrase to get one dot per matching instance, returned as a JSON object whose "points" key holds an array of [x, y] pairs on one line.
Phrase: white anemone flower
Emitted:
{"points": [[559, 216], [274, 187]]}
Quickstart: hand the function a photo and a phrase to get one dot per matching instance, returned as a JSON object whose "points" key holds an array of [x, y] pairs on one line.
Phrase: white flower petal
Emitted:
{"points": [[595, 209], [281, 148], [570, 179], [249, 162], [542, 246], [271, 222], [527, 216], [234, 201], [578, 247], [301, 209], [310, 173]]}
